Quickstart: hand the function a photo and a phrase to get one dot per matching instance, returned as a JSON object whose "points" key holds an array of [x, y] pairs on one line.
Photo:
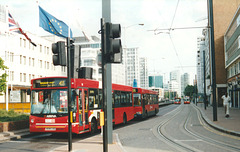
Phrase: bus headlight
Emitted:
{"points": [[74, 117], [32, 120]]}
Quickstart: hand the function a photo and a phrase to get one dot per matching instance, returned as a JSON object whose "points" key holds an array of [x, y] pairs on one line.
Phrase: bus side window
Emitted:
{"points": [[86, 99], [130, 98], [80, 100], [123, 99], [146, 99], [117, 98], [113, 102], [143, 99], [151, 99], [91, 102]]}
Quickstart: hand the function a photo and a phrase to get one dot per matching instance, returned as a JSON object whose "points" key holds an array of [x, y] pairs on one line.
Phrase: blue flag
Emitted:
{"points": [[53, 25]]}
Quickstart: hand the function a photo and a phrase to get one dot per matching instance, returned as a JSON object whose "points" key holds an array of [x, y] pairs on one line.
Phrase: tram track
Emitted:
{"points": [[205, 138], [193, 136], [161, 131]]}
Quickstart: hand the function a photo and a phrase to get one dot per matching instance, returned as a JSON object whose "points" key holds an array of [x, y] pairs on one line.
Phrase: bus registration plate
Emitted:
{"points": [[50, 129]]}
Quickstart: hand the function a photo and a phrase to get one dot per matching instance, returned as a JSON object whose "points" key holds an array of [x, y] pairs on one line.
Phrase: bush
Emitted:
{"points": [[12, 116]]}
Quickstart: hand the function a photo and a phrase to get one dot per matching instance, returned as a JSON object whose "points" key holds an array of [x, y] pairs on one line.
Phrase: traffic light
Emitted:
{"points": [[59, 57], [113, 45]]}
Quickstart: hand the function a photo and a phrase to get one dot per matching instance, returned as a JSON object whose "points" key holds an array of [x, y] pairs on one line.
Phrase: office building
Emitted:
{"points": [[185, 81], [131, 61], [143, 69], [232, 59]]}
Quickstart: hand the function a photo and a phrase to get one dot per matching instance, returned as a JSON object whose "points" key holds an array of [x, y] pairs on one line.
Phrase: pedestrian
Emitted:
{"points": [[226, 101]]}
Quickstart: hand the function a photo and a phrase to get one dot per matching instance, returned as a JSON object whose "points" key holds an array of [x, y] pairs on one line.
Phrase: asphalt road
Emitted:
{"points": [[174, 128]]}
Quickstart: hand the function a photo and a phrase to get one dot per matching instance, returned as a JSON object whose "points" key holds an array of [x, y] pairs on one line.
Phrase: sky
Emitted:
{"points": [[166, 51]]}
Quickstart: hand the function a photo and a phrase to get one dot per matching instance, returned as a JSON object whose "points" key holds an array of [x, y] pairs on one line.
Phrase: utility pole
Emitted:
{"points": [[213, 70]]}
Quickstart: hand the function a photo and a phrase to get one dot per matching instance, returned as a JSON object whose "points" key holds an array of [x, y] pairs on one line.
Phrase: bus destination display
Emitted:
{"points": [[50, 82]]}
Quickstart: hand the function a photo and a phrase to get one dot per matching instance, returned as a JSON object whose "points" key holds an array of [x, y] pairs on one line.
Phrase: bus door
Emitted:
{"points": [[143, 104], [83, 107]]}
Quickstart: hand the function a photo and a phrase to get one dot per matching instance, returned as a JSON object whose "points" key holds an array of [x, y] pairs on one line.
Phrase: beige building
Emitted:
{"points": [[25, 61], [232, 59], [223, 12]]}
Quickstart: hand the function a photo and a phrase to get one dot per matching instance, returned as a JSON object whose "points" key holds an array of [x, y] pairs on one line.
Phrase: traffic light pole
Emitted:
{"points": [[69, 95], [107, 84], [105, 143]]}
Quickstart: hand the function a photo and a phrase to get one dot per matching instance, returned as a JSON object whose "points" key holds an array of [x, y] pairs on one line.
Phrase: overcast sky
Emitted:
{"points": [[165, 52]]}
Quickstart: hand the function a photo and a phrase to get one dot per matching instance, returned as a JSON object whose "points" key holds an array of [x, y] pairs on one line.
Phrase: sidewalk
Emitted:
{"points": [[92, 144], [12, 135], [229, 125]]}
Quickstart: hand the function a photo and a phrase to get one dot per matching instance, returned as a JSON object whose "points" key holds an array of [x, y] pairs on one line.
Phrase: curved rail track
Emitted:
{"points": [[188, 111]]}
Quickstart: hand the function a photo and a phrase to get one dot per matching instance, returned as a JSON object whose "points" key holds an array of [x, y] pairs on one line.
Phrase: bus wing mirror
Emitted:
{"points": [[76, 92], [28, 92]]}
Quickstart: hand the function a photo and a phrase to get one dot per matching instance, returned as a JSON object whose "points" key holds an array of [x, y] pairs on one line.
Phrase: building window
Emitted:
{"points": [[12, 75], [33, 60], [45, 65], [20, 42], [30, 77], [45, 50], [24, 41], [40, 63], [88, 62], [20, 59], [40, 48], [24, 77], [24, 60], [21, 77], [30, 59], [11, 57]]}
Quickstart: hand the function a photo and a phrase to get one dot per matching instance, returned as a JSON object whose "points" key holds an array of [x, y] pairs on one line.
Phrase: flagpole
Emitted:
{"points": [[7, 34]]}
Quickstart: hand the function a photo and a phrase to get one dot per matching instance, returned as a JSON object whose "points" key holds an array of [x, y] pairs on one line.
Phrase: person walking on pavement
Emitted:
{"points": [[226, 101]]}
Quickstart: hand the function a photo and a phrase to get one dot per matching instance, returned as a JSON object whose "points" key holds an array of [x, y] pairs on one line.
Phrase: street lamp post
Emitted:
{"points": [[126, 27]]}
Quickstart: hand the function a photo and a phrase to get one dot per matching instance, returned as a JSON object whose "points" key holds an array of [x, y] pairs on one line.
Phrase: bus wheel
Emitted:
{"points": [[93, 126], [124, 118]]}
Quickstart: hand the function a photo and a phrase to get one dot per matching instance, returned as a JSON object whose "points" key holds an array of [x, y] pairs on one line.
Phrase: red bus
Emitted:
{"points": [[49, 106], [145, 102]]}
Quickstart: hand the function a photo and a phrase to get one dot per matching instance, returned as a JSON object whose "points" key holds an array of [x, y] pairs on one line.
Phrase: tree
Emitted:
{"points": [[3, 77], [166, 95], [189, 90]]}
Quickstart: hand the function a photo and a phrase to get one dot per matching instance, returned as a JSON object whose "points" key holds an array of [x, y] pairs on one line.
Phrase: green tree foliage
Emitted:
{"points": [[189, 90], [3, 77]]}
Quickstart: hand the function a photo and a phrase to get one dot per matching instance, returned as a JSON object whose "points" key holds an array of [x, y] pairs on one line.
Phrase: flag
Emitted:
{"points": [[14, 27], [53, 25]]}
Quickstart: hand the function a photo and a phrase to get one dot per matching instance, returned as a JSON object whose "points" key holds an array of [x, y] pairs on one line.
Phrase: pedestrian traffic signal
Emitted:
{"points": [[59, 54], [113, 45]]}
